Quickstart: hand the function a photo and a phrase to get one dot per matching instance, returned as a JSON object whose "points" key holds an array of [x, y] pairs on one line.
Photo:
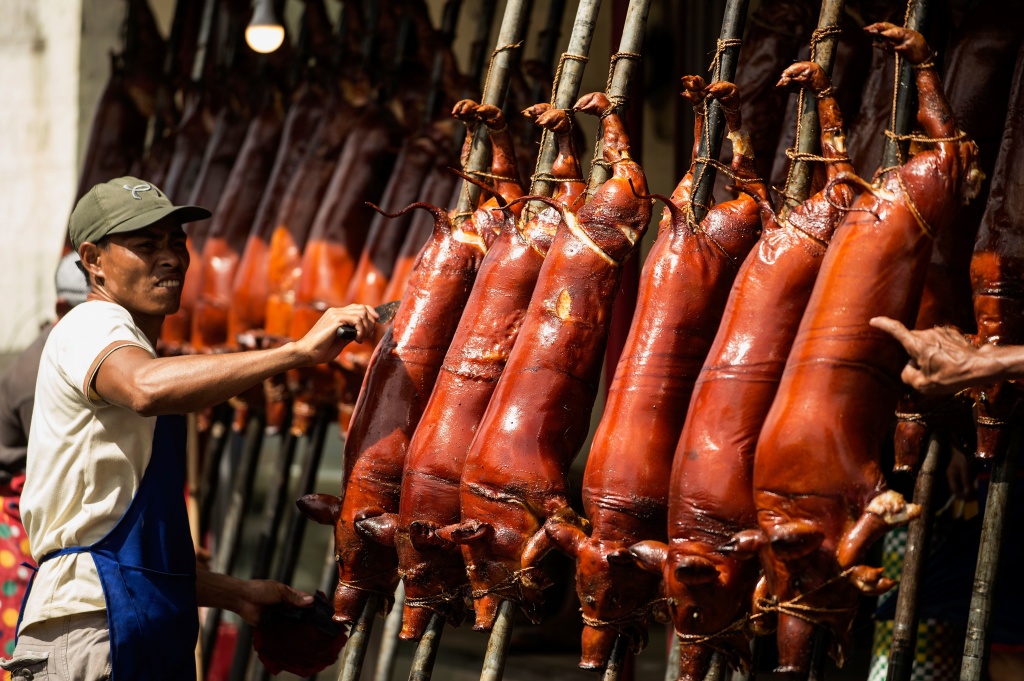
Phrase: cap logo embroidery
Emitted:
{"points": [[145, 187]]}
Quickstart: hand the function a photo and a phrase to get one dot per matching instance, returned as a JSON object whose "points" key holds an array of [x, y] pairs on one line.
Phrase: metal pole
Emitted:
{"points": [[616, 660], [906, 91], [231, 532], [716, 668], [497, 644], [513, 25], [622, 72], [904, 635], [672, 664], [993, 528], [714, 121], [359, 639], [823, 53], [426, 651], [568, 86], [389, 640]]}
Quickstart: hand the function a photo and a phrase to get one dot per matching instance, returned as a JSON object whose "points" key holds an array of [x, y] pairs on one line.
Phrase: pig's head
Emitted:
{"points": [[615, 594], [434, 575]]}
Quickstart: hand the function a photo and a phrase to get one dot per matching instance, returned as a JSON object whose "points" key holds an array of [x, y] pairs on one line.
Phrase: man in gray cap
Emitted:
{"points": [[117, 587], [17, 397]]}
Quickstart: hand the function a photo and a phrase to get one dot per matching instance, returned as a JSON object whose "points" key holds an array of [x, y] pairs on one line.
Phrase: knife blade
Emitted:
{"points": [[386, 311]]}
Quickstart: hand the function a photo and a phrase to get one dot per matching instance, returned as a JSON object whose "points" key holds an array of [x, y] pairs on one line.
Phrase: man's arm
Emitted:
{"points": [[942, 361], [131, 378], [247, 597]]}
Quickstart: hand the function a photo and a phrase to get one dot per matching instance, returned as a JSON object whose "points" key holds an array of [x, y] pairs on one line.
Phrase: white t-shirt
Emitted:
{"points": [[85, 458]]}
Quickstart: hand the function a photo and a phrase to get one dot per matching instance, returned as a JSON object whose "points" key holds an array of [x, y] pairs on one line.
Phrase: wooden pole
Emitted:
{"points": [[906, 91], [426, 651], [904, 635], [823, 51], [513, 25], [993, 526], [567, 87], [616, 660], [497, 645], [621, 73], [724, 66], [385, 668], [547, 44]]}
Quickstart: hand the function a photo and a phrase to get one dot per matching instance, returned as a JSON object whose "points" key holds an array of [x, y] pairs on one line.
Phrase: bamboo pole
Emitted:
{"points": [[497, 645], [567, 87], [616, 661], [513, 26], [823, 49], [426, 651], [716, 668], [359, 639], [385, 668], [547, 44], [905, 108], [620, 75], [672, 664], [904, 635], [993, 530], [724, 67]]}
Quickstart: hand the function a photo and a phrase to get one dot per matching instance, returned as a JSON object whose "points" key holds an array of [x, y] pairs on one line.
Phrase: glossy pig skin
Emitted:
{"points": [[710, 565], [820, 495], [997, 276], [231, 225], [538, 416], [398, 383], [432, 568], [683, 288]]}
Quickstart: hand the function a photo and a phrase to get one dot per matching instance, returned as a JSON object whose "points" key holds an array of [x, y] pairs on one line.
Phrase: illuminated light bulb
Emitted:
{"points": [[264, 33]]}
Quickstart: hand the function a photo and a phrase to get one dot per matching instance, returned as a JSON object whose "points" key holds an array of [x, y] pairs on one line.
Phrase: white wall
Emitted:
{"points": [[39, 57]]}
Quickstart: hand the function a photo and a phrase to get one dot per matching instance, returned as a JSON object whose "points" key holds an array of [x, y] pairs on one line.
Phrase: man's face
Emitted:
{"points": [[144, 270]]}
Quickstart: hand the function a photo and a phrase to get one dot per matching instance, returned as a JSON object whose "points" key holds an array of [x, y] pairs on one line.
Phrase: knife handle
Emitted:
{"points": [[346, 332]]}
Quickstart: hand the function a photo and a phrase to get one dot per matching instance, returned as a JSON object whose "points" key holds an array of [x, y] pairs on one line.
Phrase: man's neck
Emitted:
{"points": [[149, 324]]}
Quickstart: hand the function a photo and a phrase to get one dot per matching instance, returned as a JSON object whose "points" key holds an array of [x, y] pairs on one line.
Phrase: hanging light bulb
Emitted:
{"points": [[264, 33]]}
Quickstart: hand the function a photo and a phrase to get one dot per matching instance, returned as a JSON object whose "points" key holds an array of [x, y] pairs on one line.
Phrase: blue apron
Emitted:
{"points": [[147, 567]]}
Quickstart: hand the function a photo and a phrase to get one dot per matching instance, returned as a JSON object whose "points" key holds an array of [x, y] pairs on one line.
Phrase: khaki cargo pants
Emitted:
{"points": [[73, 648]]}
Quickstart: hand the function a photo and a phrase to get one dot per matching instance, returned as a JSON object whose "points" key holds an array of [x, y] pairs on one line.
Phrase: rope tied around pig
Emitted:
{"points": [[440, 599], [618, 102], [638, 616], [509, 587]]}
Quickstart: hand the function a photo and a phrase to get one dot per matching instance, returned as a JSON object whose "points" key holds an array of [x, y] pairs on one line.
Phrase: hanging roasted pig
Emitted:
{"points": [[683, 288], [398, 383], [820, 495], [432, 567], [539, 414]]}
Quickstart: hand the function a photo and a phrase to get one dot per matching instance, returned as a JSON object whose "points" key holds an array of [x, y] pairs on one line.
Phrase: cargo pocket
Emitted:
{"points": [[26, 666]]}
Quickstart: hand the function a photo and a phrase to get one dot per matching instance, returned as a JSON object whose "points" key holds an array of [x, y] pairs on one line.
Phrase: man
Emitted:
{"points": [[17, 396], [117, 588]]}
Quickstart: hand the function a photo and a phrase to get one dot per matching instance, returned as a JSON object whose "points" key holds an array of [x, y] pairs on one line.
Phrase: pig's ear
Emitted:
{"points": [[378, 526], [795, 539], [466, 532], [567, 537], [320, 508], [650, 555], [620, 556], [745, 544], [693, 569], [423, 537]]}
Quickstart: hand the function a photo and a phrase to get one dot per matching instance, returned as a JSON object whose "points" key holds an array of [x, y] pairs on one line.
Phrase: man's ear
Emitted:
{"points": [[91, 256]]}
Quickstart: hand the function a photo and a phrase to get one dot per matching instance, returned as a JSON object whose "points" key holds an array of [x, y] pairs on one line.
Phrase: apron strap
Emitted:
{"points": [[66, 551]]}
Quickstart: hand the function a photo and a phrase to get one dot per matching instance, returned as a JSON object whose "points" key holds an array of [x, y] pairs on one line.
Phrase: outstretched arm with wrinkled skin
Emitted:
{"points": [[942, 361]]}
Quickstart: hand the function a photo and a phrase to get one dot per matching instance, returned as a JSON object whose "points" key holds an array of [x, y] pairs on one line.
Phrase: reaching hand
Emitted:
{"points": [[322, 344], [261, 593], [942, 361]]}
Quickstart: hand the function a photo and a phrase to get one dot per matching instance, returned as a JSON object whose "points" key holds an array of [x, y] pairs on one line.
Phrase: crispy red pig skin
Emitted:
{"points": [[816, 469], [230, 226], [997, 277], [432, 568], [538, 416], [683, 289], [398, 383], [248, 308], [711, 561]]}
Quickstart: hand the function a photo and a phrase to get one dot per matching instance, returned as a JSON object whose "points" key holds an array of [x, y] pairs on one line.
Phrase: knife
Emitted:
{"points": [[386, 311]]}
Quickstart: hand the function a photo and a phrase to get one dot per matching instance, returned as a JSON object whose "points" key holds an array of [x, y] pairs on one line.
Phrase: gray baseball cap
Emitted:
{"points": [[124, 204]]}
